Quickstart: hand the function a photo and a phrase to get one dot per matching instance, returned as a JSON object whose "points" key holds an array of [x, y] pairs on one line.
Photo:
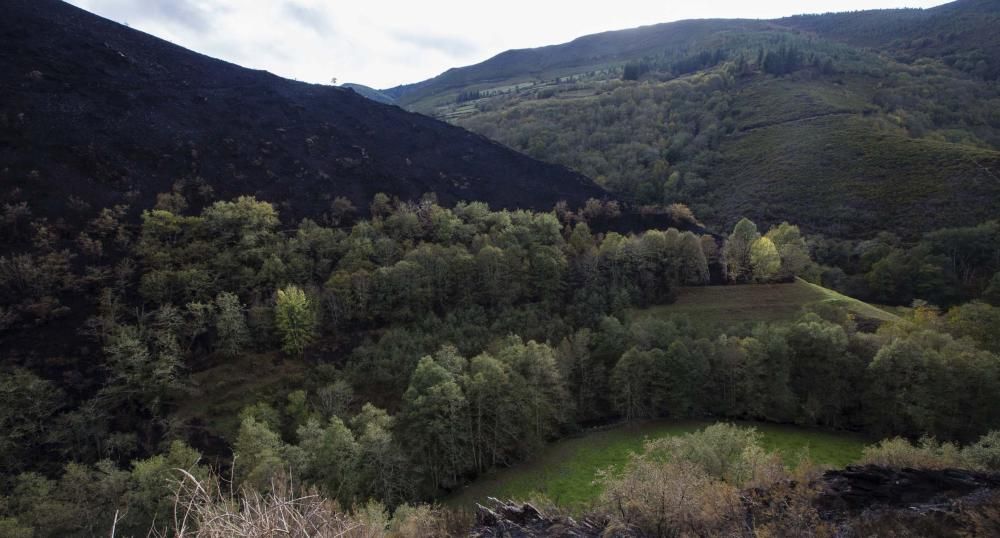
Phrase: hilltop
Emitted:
{"points": [[846, 124], [962, 33]]}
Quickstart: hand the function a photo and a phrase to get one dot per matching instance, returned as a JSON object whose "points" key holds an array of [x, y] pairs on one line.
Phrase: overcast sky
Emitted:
{"points": [[391, 42]]}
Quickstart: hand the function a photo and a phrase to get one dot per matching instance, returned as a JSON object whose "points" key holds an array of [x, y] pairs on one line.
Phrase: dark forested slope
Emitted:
{"points": [[94, 114]]}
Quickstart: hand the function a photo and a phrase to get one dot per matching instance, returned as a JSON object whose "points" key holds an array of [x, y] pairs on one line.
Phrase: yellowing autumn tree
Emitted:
{"points": [[764, 259]]}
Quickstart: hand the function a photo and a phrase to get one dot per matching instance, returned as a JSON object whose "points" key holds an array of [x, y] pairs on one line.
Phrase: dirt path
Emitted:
{"points": [[753, 128]]}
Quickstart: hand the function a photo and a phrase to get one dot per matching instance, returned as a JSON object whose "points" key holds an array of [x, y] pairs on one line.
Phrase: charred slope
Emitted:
{"points": [[871, 487], [100, 114], [857, 501]]}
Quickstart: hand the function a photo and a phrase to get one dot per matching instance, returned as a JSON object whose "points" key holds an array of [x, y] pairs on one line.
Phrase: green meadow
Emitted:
{"points": [[565, 471]]}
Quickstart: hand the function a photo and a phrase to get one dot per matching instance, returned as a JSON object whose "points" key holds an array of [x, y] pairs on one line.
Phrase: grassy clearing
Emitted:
{"points": [[565, 471], [859, 308], [725, 306], [219, 393], [773, 101]]}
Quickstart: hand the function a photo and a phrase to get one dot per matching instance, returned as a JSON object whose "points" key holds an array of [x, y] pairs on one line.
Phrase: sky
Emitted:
{"points": [[383, 44]]}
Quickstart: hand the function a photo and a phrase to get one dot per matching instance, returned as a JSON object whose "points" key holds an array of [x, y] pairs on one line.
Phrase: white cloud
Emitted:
{"points": [[393, 42]]}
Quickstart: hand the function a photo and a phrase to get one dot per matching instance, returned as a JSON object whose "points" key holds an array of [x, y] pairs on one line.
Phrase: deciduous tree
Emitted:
{"points": [[764, 260], [737, 250], [295, 319], [230, 324]]}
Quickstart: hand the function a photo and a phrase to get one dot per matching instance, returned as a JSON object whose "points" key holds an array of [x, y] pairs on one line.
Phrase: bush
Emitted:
{"points": [[984, 454], [899, 452], [207, 510], [723, 451], [687, 485], [670, 499], [417, 522]]}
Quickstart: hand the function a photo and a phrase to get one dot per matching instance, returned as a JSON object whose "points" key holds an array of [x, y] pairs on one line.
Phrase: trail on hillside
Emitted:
{"points": [[793, 120]]}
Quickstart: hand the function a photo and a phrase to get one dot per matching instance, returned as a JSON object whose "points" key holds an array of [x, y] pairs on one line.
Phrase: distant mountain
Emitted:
{"points": [[846, 123], [370, 93], [592, 52], [95, 114]]}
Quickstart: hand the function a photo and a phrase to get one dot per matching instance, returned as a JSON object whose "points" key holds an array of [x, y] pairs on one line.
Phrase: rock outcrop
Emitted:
{"points": [[512, 520]]}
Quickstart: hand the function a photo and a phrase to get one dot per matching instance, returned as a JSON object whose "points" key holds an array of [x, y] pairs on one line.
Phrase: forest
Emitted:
{"points": [[439, 343]]}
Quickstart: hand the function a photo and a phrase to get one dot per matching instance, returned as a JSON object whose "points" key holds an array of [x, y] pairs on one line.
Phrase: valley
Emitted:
{"points": [[236, 304]]}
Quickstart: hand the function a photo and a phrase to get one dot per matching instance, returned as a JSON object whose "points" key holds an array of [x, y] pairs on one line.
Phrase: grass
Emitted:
{"points": [[220, 392], [859, 308], [565, 471], [781, 100], [732, 305]]}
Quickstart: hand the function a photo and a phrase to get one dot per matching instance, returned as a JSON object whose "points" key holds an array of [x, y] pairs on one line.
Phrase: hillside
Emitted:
{"points": [[94, 114], [843, 123]]}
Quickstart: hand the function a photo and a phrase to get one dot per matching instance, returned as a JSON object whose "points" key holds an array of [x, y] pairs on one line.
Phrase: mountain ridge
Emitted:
{"points": [[408, 94], [702, 112]]}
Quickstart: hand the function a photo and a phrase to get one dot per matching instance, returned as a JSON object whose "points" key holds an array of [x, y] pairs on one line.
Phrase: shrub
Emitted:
{"points": [[724, 451], [669, 499], [898, 452], [688, 486], [985, 453], [682, 213], [417, 522], [203, 509]]}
